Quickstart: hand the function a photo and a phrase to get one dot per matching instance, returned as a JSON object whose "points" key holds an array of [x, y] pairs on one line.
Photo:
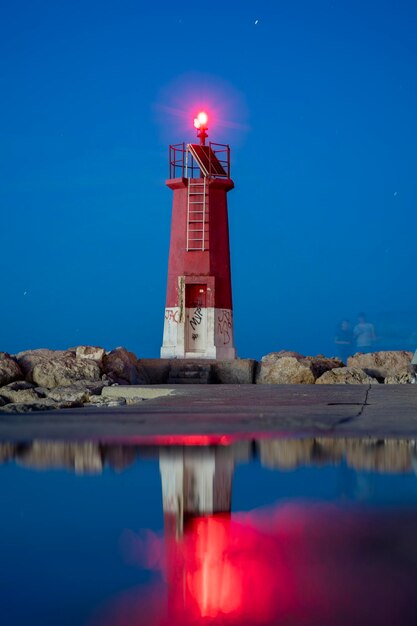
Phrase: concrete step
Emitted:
{"points": [[201, 378], [189, 373], [188, 381]]}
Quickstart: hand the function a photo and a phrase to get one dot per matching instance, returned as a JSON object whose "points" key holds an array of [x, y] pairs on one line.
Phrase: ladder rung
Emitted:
{"points": [[197, 222]]}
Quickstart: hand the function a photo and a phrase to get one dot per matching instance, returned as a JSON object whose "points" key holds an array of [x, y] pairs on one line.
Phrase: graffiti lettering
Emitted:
{"points": [[195, 336], [172, 315], [224, 326], [196, 318]]}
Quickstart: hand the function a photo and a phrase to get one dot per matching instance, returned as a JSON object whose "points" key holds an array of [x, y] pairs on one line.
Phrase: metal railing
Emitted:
{"points": [[222, 153], [176, 160], [183, 165]]}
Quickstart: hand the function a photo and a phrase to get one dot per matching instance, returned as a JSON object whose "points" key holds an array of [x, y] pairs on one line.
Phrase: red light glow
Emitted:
{"points": [[201, 120], [214, 582], [179, 102]]}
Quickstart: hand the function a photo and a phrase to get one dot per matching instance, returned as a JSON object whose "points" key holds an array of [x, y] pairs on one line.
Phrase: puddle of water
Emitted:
{"points": [[259, 532]]}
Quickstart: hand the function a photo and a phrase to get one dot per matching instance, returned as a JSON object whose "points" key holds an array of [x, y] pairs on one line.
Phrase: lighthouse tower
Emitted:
{"points": [[198, 314], [196, 481]]}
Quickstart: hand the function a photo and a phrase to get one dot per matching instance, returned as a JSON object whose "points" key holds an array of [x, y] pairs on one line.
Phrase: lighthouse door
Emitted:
{"points": [[196, 318]]}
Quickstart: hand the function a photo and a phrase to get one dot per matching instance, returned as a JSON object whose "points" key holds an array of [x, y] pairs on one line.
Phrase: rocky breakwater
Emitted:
{"points": [[380, 455], [292, 368], [370, 454], [389, 367], [39, 380]]}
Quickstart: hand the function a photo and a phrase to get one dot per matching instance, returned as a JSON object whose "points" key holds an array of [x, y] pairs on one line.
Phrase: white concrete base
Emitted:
{"points": [[200, 333]]}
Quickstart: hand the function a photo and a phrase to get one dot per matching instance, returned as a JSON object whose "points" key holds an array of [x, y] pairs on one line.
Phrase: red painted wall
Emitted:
{"points": [[213, 262]]}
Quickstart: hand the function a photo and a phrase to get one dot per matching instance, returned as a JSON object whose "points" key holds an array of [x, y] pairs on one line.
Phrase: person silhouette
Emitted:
{"points": [[344, 340], [364, 334]]}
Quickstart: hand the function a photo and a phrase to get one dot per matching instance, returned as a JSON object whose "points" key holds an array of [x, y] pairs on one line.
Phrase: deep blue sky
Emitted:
{"points": [[323, 217]]}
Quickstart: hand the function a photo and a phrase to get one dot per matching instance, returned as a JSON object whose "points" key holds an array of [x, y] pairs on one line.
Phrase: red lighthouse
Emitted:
{"points": [[198, 314]]}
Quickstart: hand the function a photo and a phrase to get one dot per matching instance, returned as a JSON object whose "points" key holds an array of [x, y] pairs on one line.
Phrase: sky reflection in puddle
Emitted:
{"points": [[293, 532]]}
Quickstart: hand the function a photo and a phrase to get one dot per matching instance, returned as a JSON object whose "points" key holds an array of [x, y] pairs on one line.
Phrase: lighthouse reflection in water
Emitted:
{"points": [[297, 562]]}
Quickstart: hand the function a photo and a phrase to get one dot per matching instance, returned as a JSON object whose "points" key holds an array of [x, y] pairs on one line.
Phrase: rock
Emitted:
{"points": [[57, 368], [121, 366], [3, 401], [82, 457], [134, 400], [7, 452], [405, 378], [107, 402], [321, 364], [20, 392], [93, 388], [69, 394], [389, 455], [43, 404], [9, 369], [29, 358], [346, 376], [286, 453], [284, 367], [93, 353], [382, 364], [286, 370], [291, 368]]}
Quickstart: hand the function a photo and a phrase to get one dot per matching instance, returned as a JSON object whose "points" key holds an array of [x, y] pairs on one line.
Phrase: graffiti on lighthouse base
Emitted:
{"points": [[196, 331], [197, 318], [202, 332], [172, 315], [224, 326]]}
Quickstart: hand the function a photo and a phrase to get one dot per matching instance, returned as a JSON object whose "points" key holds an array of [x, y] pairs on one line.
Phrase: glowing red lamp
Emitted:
{"points": [[200, 123], [201, 120]]}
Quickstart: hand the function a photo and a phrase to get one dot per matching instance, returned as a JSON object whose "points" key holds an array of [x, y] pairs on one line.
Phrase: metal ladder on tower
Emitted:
{"points": [[197, 214]]}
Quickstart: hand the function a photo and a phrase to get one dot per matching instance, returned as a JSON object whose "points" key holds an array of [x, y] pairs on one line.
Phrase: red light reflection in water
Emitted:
{"points": [[292, 565], [218, 574], [186, 440], [212, 580]]}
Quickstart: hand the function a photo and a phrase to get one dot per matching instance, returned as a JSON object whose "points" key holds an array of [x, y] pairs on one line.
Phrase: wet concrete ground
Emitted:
{"points": [[334, 410]]}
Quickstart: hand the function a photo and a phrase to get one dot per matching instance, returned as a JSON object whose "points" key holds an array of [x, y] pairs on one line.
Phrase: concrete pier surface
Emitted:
{"points": [[234, 410]]}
